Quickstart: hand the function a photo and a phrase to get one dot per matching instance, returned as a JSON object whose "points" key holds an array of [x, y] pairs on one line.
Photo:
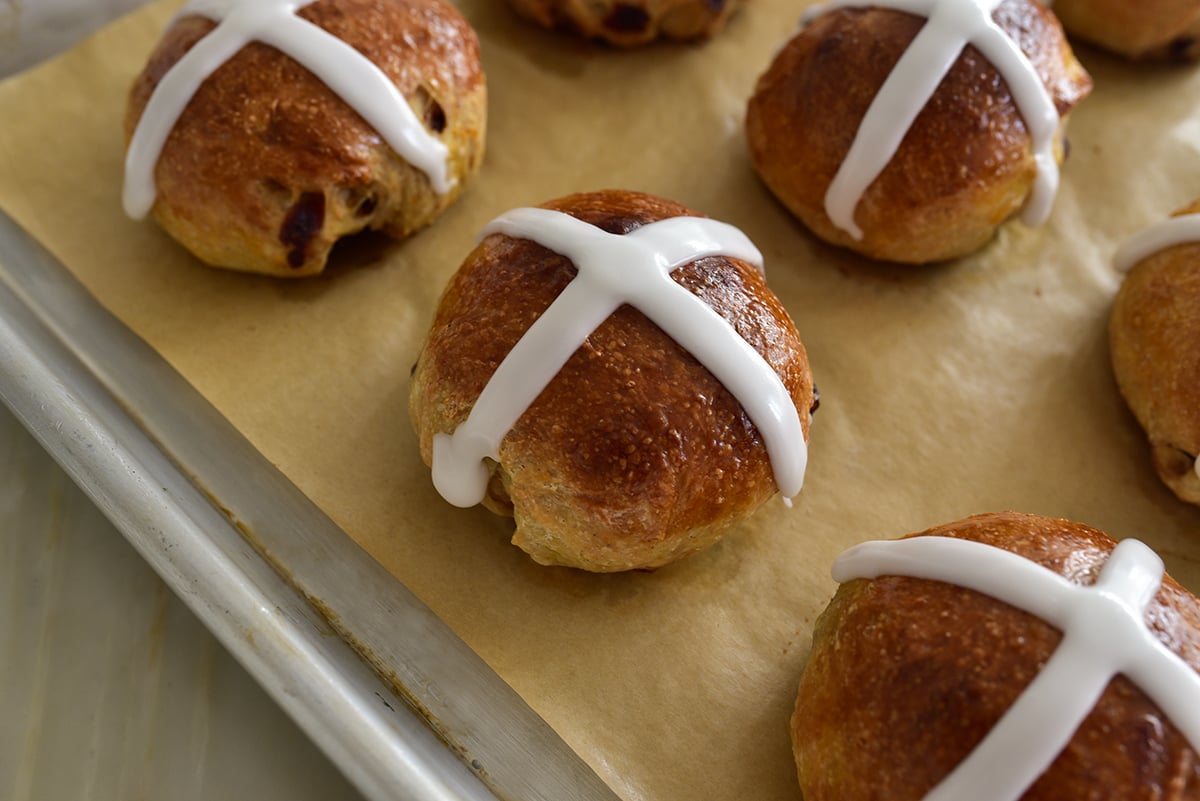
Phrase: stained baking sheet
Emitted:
{"points": [[973, 386]]}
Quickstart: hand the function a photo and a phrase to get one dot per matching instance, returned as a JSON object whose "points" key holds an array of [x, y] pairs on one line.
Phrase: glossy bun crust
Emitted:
{"points": [[1154, 338], [906, 676], [1139, 29], [963, 168], [628, 23], [267, 167], [634, 455]]}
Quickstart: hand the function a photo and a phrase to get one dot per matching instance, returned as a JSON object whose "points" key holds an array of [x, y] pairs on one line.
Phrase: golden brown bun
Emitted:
{"points": [[628, 23], [267, 167], [634, 455], [906, 676], [963, 168], [1153, 336], [1140, 29]]}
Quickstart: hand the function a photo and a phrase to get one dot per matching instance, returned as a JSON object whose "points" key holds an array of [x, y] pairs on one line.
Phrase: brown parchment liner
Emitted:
{"points": [[979, 385]]}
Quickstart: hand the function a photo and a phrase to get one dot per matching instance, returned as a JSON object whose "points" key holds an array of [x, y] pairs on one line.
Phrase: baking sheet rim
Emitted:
{"points": [[464, 733]]}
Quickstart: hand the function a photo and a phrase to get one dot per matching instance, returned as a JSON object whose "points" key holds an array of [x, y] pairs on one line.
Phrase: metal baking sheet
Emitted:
{"points": [[383, 686]]}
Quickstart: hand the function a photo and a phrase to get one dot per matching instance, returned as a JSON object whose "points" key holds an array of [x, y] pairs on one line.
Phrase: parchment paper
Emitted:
{"points": [[974, 386]]}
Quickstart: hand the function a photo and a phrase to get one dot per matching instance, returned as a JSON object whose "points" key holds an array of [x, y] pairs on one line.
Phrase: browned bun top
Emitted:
{"points": [[907, 676], [965, 164], [1140, 29], [635, 454], [1154, 339], [267, 166], [629, 23]]}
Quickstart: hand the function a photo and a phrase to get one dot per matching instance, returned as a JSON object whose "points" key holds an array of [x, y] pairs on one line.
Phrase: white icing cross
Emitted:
{"points": [[951, 26], [1104, 633], [614, 270], [354, 77]]}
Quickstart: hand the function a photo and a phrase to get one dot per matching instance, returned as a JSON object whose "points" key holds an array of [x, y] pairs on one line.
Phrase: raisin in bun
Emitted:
{"points": [[634, 454], [267, 166], [1154, 338], [1138, 29], [957, 680], [969, 159], [628, 23]]}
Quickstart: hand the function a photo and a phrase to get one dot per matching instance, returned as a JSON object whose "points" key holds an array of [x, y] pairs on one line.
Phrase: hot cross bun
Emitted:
{"points": [[258, 159], [611, 369]]}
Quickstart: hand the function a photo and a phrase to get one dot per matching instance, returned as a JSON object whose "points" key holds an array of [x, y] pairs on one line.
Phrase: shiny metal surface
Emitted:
{"points": [[153, 454]]}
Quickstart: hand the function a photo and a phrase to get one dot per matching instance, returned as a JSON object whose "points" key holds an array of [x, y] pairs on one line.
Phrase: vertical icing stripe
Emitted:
{"points": [[613, 270], [1031, 734], [459, 474], [351, 75], [366, 89], [904, 93], [950, 26], [1104, 633], [167, 102], [1037, 109]]}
